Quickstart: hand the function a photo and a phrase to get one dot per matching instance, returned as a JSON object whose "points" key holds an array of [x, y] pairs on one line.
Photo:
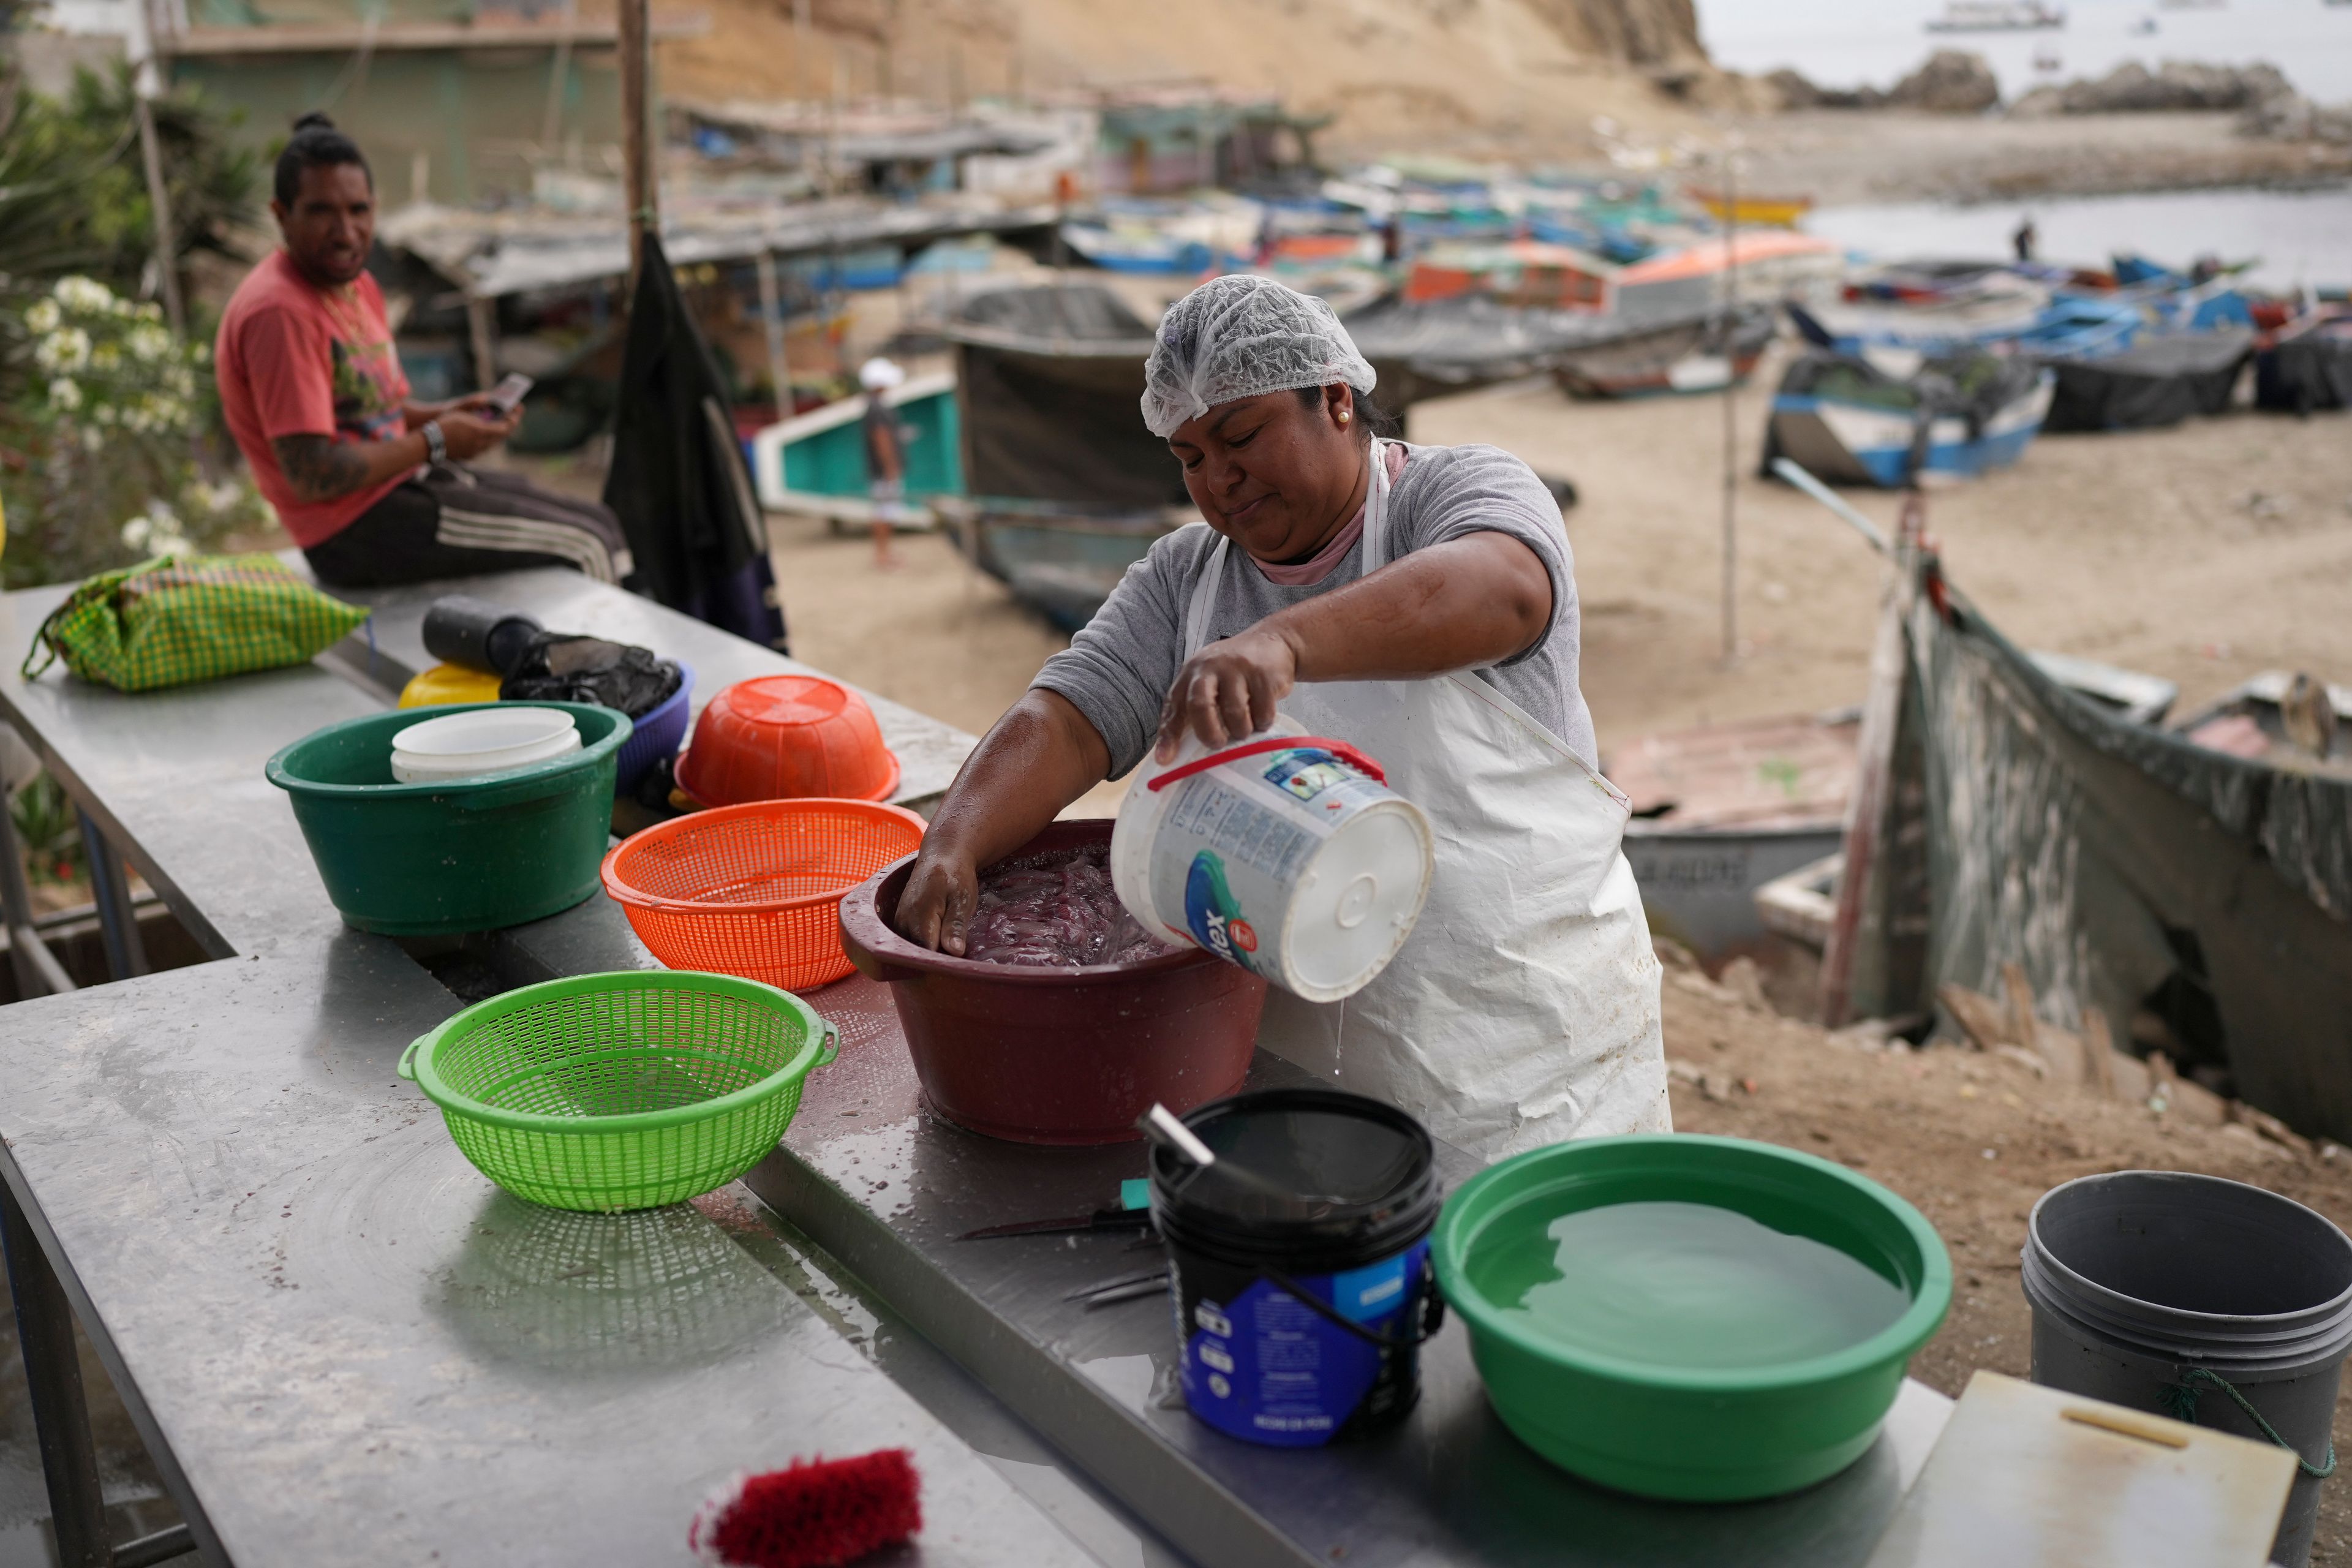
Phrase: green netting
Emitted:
{"points": [[621, 1092]]}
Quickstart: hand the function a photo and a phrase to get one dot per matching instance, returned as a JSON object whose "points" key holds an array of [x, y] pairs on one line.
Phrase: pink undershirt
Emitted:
{"points": [[1315, 568]]}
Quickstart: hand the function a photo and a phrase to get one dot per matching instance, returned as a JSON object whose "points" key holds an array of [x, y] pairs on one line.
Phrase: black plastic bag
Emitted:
{"points": [[562, 666]]}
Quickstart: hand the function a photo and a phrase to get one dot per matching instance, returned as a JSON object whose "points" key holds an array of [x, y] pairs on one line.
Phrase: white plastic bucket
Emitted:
{"points": [[1287, 854], [481, 740]]}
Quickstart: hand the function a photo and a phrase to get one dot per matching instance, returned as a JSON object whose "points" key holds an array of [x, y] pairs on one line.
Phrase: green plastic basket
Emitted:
{"points": [[604, 1092]]}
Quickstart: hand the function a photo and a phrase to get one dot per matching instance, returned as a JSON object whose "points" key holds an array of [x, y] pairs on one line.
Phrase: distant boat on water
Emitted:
{"points": [[1997, 16]]}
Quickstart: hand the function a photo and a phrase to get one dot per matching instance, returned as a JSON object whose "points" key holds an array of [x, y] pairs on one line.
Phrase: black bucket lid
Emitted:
{"points": [[1365, 1172]]}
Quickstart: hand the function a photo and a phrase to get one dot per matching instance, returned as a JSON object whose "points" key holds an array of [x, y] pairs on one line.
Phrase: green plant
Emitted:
{"points": [[73, 187], [49, 830], [98, 464]]}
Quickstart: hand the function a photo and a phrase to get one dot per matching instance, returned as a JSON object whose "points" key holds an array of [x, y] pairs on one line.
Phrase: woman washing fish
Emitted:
{"points": [[1419, 603]]}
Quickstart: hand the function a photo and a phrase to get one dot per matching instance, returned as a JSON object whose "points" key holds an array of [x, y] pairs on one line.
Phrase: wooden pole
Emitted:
{"points": [[145, 83], [1730, 420], [772, 316], [551, 130], [640, 179]]}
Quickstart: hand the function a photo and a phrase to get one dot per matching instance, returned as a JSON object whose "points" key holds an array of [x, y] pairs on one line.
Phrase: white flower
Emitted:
{"points": [[92, 438], [83, 294], [65, 394], [148, 343], [203, 352], [67, 350], [44, 316], [105, 414], [151, 312], [135, 532], [106, 356]]}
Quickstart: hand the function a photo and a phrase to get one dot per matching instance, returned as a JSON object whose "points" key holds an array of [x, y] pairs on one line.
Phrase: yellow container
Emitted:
{"points": [[450, 683]]}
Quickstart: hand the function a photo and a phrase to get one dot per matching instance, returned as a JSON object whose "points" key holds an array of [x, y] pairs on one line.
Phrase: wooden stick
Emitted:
{"points": [[639, 179]]}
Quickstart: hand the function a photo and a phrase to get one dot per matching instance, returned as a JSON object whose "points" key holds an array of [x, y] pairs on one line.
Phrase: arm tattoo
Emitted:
{"points": [[319, 468]]}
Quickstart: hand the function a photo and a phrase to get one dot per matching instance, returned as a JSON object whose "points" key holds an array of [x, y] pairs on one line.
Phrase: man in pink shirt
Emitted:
{"points": [[372, 485]]}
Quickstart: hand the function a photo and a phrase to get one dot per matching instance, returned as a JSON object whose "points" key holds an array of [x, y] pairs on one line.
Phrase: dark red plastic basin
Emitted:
{"points": [[1057, 1056]]}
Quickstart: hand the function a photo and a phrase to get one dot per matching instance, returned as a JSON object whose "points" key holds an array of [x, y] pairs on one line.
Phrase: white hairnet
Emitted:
{"points": [[1238, 336]]}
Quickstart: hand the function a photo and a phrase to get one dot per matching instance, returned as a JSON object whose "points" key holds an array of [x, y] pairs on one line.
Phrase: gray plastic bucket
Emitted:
{"points": [[2164, 1291]]}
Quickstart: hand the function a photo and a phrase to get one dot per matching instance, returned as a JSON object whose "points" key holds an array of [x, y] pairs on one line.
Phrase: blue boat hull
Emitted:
{"points": [[1861, 444]]}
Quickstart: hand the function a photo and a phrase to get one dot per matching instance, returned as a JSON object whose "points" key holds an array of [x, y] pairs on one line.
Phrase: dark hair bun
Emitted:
{"points": [[314, 120]]}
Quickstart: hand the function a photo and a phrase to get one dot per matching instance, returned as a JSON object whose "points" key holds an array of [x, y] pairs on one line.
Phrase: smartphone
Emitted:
{"points": [[508, 394]]}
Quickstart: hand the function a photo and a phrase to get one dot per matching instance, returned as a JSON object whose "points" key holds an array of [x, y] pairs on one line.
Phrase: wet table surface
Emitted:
{"points": [[344, 1345]]}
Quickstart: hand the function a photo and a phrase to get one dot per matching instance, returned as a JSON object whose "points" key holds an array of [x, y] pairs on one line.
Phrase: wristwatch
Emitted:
{"points": [[436, 450]]}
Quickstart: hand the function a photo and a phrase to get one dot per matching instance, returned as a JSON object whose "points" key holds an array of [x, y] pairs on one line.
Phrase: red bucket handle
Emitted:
{"points": [[1340, 748]]}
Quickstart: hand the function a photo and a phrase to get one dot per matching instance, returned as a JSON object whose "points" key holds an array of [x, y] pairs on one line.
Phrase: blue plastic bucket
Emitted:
{"points": [[1301, 1317], [658, 735]]}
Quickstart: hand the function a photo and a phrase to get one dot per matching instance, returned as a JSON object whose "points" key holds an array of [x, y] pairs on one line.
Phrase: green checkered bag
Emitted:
{"points": [[168, 622]]}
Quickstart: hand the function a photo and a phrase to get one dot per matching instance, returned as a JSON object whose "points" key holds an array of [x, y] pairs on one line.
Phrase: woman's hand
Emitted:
{"points": [[1228, 689], [935, 908], [1042, 755]]}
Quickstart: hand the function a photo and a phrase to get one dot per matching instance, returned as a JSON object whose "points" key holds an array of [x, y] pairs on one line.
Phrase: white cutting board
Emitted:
{"points": [[2026, 1476]]}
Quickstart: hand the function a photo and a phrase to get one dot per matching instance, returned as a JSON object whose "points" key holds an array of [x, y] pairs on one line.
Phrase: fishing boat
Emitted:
{"points": [[2307, 364], [1061, 561], [814, 464], [1997, 16], [1691, 353], [1526, 272], [1065, 488], [2016, 314], [1435, 348], [1720, 810], [1135, 249], [1769, 212], [1765, 264], [1850, 422], [2157, 382]]}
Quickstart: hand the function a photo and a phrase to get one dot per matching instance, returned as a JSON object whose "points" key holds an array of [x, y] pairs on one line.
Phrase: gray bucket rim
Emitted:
{"points": [[2232, 1336], [2269, 1359]]}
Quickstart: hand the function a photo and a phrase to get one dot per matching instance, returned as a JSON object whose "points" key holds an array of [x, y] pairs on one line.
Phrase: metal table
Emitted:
{"points": [[321, 1317]]}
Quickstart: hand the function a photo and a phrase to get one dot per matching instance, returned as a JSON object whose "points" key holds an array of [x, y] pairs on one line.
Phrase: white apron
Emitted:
{"points": [[1524, 1007]]}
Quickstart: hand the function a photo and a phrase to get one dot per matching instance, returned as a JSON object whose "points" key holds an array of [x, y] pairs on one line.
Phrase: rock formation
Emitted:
{"points": [[1950, 82]]}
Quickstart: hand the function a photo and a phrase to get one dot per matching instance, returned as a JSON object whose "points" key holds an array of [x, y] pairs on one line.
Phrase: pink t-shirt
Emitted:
{"points": [[1318, 566], [293, 359]]}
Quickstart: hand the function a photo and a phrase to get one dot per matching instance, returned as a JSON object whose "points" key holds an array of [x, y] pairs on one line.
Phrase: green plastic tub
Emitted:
{"points": [[443, 859], [1649, 1414], [604, 1092]]}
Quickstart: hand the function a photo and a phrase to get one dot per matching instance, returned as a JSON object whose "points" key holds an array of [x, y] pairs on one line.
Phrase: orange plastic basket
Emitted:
{"points": [[755, 889]]}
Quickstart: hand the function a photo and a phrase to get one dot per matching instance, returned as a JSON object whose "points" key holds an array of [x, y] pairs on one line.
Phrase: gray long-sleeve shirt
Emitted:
{"points": [[1119, 669]]}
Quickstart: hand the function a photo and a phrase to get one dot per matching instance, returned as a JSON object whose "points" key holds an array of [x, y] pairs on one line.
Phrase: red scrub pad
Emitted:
{"points": [[820, 1513]]}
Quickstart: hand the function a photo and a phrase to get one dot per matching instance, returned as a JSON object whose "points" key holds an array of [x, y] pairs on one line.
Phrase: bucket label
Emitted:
{"points": [[1306, 773], [1234, 845], [1213, 914], [1267, 1368]]}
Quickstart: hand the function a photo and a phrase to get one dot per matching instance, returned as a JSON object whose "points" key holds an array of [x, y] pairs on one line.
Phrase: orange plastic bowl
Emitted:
{"points": [[787, 737], [755, 889]]}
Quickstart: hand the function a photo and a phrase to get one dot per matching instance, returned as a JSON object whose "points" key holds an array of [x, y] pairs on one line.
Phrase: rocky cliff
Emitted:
{"points": [[1469, 76]]}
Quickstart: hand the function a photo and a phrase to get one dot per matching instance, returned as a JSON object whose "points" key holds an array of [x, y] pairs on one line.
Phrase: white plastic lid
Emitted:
{"points": [[480, 730], [1356, 900]]}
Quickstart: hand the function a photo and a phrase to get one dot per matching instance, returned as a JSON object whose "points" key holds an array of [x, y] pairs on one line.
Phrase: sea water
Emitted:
{"points": [[1682, 1285]]}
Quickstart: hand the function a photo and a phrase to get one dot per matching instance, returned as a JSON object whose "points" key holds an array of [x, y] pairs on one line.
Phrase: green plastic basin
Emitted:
{"points": [[445, 858], [1666, 1427]]}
